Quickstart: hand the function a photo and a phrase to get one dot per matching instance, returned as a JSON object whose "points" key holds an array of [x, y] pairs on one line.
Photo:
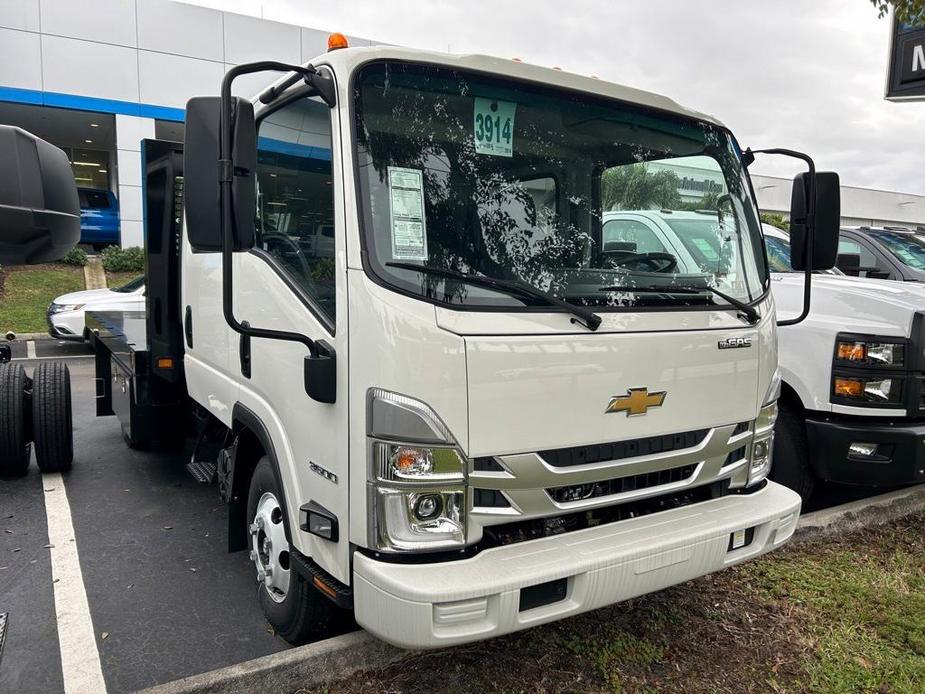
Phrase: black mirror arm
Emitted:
{"points": [[226, 174], [749, 156]]}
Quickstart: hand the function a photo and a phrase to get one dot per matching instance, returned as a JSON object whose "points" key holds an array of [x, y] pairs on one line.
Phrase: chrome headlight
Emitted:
{"points": [[867, 391], [417, 476], [873, 352], [60, 308]]}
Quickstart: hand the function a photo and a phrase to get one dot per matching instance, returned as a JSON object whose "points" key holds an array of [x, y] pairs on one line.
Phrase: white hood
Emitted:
{"points": [[86, 296], [852, 304]]}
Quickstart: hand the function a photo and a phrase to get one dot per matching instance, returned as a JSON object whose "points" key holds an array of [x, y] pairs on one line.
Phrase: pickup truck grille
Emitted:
{"points": [[550, 483]]}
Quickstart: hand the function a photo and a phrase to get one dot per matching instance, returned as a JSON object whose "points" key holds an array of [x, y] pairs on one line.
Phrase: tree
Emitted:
{"points": [[635, 187], [906, 11]]}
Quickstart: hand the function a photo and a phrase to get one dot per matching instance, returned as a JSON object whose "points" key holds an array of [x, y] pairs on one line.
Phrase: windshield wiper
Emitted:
{"points": [[582, 315], [751, 315]]}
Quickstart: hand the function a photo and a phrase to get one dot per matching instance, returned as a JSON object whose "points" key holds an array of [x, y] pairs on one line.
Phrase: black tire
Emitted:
{"points": [[790, 463], [52, 431], [305, 614], [15, 449]]}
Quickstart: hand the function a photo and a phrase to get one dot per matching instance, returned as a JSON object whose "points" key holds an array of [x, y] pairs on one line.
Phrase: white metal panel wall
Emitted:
{"points": [[171, 27], [105, 21], [19, 14], [72, 66], [129, 133], [248, 39], [170, 80], [20, 59]]}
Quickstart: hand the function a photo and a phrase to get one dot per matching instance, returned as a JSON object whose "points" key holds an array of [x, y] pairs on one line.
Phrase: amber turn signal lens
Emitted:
{"points": [[165, 363], [849, 387], [337, 40], [852, 351]]}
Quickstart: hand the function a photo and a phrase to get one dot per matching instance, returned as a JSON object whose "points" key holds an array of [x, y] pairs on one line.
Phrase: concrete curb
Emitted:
{"points": [[25, 337], [864, 513], [296, 668]]}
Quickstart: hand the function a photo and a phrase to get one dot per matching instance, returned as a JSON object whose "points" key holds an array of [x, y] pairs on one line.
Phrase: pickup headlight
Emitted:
{"points": [[869, 352], [417, 477], [867, 390]]}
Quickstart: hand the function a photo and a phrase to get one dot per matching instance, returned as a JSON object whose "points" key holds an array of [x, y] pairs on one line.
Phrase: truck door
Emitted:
{"points": [[295, 280]]}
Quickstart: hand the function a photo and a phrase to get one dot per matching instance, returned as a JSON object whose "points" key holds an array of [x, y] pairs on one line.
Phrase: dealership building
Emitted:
{"points": [[95, 77]]}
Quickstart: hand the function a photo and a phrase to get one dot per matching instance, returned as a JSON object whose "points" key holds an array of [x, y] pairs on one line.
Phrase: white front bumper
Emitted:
{"points": [[451, 602]]}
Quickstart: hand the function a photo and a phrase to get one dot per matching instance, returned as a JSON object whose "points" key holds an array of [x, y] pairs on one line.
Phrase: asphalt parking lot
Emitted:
{"points": [[164, 598]]}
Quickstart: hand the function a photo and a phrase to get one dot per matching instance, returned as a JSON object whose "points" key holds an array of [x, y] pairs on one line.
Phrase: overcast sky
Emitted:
{"points": [[803, 74]]}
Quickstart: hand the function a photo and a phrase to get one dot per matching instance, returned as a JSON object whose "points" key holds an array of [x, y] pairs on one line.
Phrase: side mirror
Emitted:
{"points": [[824, 215], [849, 263], [39, 209], [201, 170]]}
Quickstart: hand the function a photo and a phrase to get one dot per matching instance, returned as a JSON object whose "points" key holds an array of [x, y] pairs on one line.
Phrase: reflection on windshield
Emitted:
{"points": [[132, 285], [479, 175], [907, 248]]}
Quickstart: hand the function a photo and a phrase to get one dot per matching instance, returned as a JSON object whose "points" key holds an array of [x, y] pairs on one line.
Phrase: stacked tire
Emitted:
{"points": [[37, 412]]}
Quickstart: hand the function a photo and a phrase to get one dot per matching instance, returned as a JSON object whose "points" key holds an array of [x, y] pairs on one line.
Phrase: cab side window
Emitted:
{"points": [[848, 245], [295, 198]]}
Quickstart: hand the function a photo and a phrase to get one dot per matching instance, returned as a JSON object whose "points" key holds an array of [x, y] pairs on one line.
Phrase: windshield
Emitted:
{"points": [[485, 176], [131, 285], [909, 249]]}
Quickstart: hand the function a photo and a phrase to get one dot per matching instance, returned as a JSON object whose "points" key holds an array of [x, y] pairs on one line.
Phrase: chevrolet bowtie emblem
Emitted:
{"points": [[636, 401]]}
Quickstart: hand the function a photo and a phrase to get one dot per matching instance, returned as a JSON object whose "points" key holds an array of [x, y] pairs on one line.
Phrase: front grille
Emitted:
{"points": [[486, 464], [735, 456], [619, 485], [741, 428], [585, 455], [489, 498], [522, 531]]}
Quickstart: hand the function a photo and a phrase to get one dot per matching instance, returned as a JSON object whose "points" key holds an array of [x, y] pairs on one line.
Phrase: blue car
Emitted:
{"points": [[99, 217]]}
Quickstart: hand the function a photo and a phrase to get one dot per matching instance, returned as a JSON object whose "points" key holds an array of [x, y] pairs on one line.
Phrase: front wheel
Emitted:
{"points": [[790, 463], [295, 609]]}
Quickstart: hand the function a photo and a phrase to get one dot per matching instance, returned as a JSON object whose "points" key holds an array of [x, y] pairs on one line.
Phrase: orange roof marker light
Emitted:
{"points": [[337, 40]]}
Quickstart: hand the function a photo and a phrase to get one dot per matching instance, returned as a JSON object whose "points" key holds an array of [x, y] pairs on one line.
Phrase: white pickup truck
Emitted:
{"points": [[851, 408]]}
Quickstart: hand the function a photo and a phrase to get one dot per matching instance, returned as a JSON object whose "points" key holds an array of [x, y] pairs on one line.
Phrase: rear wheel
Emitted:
{"points": [[15, 449], [790, 463], [295, 610], [52, 431]]}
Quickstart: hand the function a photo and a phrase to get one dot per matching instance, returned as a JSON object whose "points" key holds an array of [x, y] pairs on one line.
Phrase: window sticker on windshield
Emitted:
{"points": [[494, 127], [406, 200]]}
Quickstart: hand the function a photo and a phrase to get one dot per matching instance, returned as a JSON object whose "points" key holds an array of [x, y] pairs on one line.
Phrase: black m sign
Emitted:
{"points": [[906, 76]]}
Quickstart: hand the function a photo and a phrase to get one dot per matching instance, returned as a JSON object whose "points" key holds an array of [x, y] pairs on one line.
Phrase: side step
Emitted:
{"points": [[203, 472]]}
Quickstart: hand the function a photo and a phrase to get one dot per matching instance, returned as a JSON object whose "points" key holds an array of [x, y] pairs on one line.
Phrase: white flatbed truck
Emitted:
{"points": [[379, 295]]}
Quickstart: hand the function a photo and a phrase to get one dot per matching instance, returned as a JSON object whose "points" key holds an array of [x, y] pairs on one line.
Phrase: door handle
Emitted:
{"points": [[244, 351], [188, 327]]}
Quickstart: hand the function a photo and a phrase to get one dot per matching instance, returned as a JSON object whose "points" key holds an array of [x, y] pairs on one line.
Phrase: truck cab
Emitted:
{"points": [[437, 391]]}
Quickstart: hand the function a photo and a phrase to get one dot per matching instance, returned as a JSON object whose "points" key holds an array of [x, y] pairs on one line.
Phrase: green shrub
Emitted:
{"points": [[75, 256], [116, 259]]}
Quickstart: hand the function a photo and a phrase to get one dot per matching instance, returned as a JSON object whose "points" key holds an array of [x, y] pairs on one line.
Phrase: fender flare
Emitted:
{"points": [[243, 417]]}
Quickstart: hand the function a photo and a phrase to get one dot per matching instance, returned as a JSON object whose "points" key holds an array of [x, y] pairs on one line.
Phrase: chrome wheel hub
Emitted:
{"points": [[269, 547]]}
